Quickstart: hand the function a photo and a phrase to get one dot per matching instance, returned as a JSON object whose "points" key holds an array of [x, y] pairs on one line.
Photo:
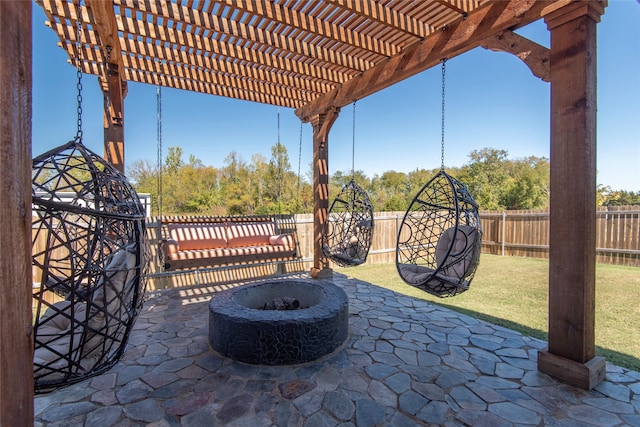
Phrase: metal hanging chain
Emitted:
{"points": [[278, 141], [299, 162], [442, 118], [159, 134], [79, 84], [279, 166], [353, 144]]}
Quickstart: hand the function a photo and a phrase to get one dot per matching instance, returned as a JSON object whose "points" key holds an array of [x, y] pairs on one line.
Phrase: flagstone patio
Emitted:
{"points": [[406, 362]]}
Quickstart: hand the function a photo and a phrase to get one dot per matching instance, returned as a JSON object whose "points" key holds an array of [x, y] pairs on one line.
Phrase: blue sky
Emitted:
{"points": [[492, 100]]}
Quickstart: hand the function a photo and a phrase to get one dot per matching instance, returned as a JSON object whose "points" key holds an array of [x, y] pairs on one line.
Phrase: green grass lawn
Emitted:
{"points": [[512, 292]]}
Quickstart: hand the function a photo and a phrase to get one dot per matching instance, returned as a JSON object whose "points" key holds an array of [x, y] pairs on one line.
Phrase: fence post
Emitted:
{"points": [[504, 230]]}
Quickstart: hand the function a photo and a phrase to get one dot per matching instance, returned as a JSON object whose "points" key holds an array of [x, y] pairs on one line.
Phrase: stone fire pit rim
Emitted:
{"points": [[332, 296]]}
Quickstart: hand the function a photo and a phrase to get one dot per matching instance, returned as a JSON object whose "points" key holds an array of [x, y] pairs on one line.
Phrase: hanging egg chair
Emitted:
{"points": [[348, 230], [438, 247], [349, 227], [89, 260], [440, 237]]}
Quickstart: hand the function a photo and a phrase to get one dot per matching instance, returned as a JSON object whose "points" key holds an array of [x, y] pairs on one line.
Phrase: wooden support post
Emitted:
{"points": [[16, 342], [321, 125], [114, 118], [570, 355]]}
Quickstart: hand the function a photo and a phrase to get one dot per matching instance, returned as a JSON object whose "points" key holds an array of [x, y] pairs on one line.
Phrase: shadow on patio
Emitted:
{"points": [[406, 362]]}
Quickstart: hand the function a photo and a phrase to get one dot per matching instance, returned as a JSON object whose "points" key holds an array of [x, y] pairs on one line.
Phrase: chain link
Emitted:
{"points": [[79, 84], [279, 166], [353, 144], [159, 136], [299, 163], [442, 118]]}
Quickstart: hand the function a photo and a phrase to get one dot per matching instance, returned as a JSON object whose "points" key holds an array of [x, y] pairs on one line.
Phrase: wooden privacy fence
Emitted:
{"points": [[510, 233], [526, 233]]}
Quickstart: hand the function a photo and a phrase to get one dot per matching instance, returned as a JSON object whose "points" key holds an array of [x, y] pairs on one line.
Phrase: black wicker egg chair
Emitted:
{"points": [[349, 227], [89, 259], [439, 240]]}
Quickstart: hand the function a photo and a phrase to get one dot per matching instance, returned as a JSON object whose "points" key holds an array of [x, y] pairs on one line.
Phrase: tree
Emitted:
{"points": [[340, 179], [233, 181], [201, 192], [266, 187], [394, 182], [278, 172], [258, 172], [144, 178], [486, 177], [143, 175], [173, 161], [528, 184], [389, 191], [416, 180], [622, 197], [395, 203]]}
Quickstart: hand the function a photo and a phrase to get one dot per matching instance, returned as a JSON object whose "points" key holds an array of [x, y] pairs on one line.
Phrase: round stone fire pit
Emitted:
{"points": [[279, 322]]}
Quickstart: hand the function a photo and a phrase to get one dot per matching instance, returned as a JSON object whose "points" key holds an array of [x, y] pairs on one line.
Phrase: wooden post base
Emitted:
{"points": [[584, 375], [325, 273]]}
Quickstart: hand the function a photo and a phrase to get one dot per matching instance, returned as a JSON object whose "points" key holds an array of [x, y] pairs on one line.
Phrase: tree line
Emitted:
{"points": [[270, 186]]}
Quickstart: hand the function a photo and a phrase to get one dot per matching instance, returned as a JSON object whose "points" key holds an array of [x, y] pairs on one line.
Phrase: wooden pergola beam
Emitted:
{"points": [[112, 78], [106, 28], [457, 38]]}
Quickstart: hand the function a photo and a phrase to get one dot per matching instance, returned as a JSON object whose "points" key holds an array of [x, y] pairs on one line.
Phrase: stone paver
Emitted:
{"points": [[406, 362]]}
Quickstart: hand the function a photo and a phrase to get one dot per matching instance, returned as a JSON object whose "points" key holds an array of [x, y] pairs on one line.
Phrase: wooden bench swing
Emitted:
{"points": [[195, 242]]}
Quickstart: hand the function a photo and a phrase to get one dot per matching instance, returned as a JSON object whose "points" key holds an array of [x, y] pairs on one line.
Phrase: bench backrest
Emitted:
{"points": [[220, 235], [199, 236], [249, 234]]}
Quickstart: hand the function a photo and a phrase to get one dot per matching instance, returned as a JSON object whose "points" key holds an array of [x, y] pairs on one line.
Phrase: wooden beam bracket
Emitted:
{"points": [[114, 92], [534, 55]]}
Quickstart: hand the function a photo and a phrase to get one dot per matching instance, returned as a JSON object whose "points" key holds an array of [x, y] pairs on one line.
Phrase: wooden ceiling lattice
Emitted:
{"points": [[291, 53]]}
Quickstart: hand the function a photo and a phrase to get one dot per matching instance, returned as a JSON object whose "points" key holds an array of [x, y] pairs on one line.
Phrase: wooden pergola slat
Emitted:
{"points": [[388, 17], [321, 25], [223, 26]]}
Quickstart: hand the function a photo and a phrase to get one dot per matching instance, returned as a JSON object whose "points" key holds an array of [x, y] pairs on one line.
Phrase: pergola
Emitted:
{"points": [[315, 56]]}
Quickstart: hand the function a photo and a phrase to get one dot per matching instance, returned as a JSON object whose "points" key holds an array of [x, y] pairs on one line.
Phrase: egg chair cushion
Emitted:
{"points": [[455, 263], [108, 309], [65, 328]]}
